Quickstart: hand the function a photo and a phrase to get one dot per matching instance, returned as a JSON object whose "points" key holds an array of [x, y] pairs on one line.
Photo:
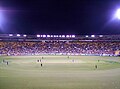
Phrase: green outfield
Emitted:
{"points": [[59, 72]]}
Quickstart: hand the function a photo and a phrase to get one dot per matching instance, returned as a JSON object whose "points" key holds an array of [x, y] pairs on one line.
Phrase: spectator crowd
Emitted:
{"points": [[59, 47]]}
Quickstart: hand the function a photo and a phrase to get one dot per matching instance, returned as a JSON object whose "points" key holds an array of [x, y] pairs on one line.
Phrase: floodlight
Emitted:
{"points": [[10, 34], [92, 35], [51, 35], [44, 35], [118, 13], [63, 35], [2, 19], [60, 36], [0, 14], [86, 36], [67, 36], [38, 35], [73, 36], [48, 35], [100, 35], [18, 34], [55, 35], [24, 35]]}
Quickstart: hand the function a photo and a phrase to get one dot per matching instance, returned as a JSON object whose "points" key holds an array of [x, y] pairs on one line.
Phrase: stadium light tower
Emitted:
{"points": [[117, 15]]}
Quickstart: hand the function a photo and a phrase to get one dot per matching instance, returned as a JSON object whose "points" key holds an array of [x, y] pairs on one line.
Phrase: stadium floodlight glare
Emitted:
{"points": [[24, 35], [1, 17], [10, 34], [48, 35], [56, 35], [118, 13], [100, 35], [92, 35], [38, 35], [60, 36], [86, 36], [67, 36], [18, 35], [73, 36], [63, 35], [51, 36], [44, 35]]}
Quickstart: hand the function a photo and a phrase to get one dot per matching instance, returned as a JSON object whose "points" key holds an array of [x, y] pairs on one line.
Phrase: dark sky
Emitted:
{"points": [[59, 16]]}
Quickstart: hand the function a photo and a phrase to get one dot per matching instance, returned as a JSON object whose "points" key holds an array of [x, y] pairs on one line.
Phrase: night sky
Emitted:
{"points": [[59, 16]]}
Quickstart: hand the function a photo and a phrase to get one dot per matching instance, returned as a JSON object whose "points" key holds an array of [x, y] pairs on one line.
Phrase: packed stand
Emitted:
{"points": [[59, 47]]}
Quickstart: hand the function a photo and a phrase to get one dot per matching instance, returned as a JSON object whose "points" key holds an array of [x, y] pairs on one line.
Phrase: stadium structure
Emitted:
{"points": [[59, 61], [95, 45]]}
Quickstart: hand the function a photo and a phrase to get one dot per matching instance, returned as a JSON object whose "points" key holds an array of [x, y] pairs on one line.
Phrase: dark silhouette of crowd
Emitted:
{"points": [[59, 47]]}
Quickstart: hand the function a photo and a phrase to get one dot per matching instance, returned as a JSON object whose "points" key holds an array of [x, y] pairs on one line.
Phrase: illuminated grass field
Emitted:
{"points": [[59, 72]]}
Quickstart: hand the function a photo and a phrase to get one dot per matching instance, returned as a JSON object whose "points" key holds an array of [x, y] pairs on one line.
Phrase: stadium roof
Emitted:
{"points": [[39, 37]]}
